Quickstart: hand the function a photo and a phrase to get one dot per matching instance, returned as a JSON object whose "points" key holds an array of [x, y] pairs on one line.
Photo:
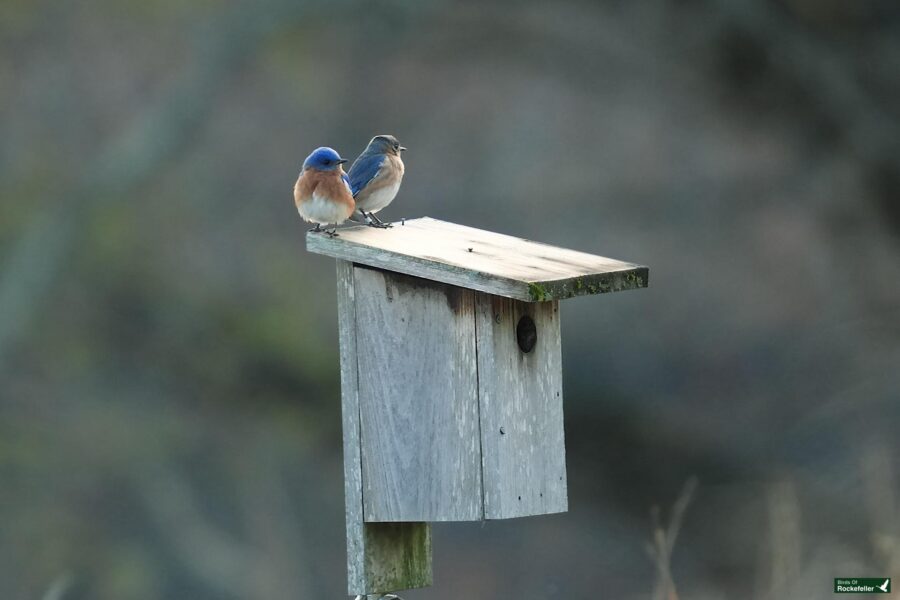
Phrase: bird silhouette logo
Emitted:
{"points": [[884, 587]]}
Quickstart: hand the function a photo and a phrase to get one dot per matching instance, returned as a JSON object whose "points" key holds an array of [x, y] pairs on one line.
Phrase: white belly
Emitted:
{"points": [[320, 210], [379, 198]]}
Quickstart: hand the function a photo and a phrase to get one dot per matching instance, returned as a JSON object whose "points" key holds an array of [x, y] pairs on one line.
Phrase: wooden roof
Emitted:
{"points": [[480, 260]]}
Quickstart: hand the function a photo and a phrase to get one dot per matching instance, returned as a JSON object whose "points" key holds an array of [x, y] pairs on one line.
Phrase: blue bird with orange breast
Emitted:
{"points": [[322, 192], [375, 177]]}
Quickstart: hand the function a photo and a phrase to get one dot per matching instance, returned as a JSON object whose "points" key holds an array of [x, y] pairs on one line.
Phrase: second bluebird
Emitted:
{"points": [[375, 177]]}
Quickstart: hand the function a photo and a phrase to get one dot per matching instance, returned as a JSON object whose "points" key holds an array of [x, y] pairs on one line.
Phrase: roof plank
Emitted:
{"points": [[480, 260]]}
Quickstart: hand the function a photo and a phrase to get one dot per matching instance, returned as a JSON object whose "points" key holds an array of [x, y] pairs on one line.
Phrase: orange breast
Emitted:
{"points": [[329, 184]]}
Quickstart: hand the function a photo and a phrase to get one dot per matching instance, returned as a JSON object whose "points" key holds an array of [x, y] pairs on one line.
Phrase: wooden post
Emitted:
{"points": [[451, 383]]}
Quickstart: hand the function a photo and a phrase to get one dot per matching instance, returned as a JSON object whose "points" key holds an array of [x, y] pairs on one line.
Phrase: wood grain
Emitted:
{"points": [[480, 260], [520, 395], [418, 399], [379, 559]]}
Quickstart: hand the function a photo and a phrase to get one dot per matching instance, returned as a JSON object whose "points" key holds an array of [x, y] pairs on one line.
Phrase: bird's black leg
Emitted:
{"points": [[318, 227], [376, 222], [333, 233]]}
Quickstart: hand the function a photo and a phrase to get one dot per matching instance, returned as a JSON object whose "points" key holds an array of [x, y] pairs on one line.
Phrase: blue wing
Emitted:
{"points": [[363, 171]]}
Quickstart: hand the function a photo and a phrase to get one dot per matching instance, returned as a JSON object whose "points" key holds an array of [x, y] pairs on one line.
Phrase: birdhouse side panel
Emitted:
{"points": [[356, 578], [418, 395], [380, 557], [520, 396]]}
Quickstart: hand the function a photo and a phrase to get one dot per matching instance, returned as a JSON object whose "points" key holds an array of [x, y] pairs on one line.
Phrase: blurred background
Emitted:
{"points": [[169, 394]]}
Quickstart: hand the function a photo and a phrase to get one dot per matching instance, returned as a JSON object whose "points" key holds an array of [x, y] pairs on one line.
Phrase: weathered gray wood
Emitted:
{"points": [[356, 576], [520, 394], [445, 418], [480, 260], [418, 399], [379, 559]]}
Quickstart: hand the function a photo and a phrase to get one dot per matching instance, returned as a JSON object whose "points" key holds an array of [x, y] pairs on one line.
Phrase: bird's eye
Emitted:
{"points": [[326, 162], [396, 146]]}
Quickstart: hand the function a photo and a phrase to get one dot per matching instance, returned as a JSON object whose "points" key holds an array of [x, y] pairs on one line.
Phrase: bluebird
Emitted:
{"points": [[322, 192], [375, 177]]}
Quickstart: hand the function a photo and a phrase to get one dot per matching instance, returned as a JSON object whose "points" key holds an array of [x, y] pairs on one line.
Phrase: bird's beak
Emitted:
{"points": [[402, 149], [343, 160]]}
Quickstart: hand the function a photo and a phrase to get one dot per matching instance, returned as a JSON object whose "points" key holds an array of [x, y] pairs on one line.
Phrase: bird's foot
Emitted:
{"points": [[376, 222], [317, 228]]}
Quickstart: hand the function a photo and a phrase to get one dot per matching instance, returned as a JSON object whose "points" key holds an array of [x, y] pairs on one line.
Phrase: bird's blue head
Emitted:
{"points": [[324, 159]]}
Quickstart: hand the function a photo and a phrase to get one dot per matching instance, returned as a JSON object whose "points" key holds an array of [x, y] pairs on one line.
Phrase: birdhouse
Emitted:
{"points": [[451, 383]]}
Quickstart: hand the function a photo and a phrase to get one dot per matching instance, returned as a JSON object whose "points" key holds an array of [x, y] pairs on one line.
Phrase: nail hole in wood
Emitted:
{"points": [[526, 334]]}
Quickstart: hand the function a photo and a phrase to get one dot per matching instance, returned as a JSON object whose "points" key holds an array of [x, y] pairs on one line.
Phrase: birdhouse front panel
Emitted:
{"points": [[521, 407], [460, 401], [418, 399]]}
